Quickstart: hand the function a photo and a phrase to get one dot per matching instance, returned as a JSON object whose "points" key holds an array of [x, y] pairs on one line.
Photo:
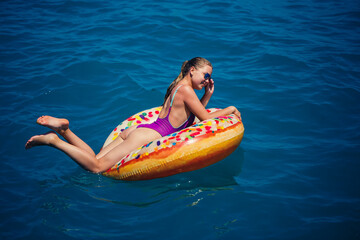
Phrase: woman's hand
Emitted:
{"points": [[236, 112], [209, 90], [209, 87]]}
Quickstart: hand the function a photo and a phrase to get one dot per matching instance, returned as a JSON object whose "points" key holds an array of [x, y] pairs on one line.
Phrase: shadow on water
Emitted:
{"points": [[217, 177]]}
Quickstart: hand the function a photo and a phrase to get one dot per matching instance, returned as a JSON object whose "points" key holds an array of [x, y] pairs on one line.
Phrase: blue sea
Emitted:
{"points": [[292, 68]]}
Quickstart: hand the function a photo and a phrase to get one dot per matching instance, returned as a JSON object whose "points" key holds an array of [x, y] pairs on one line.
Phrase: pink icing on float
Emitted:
{"points": [[200, 145]]}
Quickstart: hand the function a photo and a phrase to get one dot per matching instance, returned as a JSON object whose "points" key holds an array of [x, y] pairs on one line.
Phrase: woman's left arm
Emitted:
{"points": [[209, 90]]}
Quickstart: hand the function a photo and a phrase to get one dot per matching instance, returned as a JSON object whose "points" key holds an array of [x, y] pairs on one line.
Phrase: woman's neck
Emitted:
{"points": [[186, 81]]}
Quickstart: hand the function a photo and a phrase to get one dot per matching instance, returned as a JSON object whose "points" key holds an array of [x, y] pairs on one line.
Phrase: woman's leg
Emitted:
{"points": [[135, 139], [61, 126], [88, 161], [85, 159]]}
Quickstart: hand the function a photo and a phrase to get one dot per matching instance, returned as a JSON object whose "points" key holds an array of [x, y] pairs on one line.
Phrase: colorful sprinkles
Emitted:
{"points": [[197, 129]]}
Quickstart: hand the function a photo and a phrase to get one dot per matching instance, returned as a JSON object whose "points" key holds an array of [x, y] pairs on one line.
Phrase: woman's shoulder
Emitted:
{"points": [[186, 93], [185, 89]]}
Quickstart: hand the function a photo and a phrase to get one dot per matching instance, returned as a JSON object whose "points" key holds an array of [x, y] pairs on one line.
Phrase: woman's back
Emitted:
{"points": [[175, 108]]}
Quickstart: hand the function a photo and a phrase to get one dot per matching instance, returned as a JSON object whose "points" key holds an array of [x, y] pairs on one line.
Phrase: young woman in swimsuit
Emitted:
{"points": [[180, 107]]}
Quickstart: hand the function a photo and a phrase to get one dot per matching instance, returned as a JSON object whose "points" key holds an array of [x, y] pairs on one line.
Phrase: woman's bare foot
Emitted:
{"points": [[57, 124], [43, 139]]}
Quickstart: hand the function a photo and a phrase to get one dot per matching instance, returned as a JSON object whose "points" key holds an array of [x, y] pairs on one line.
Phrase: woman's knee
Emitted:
{"points": [[101, 165]]}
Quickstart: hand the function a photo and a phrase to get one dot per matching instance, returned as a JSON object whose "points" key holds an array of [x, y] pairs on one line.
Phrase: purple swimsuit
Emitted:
{"points": [[163, 125]]}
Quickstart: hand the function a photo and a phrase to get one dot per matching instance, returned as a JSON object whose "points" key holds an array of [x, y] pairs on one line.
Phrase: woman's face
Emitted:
{"points": [[201, 76]]}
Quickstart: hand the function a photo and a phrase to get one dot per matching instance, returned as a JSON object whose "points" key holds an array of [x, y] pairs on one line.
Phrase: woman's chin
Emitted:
{"points": [[201, 86]]}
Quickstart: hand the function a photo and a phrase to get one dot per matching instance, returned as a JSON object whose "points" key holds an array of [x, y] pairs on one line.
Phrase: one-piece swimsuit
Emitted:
{"points": [[163, 125]]}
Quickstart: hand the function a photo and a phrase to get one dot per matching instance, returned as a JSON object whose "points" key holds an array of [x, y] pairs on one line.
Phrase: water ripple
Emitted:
{"points": [[291, 68]]}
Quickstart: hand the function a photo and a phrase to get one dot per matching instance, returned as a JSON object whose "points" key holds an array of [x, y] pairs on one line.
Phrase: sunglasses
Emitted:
{"points": [[207, 76]]}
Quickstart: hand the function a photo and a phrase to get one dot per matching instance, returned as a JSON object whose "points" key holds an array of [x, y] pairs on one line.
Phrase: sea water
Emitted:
{"points": [[291, 67]]}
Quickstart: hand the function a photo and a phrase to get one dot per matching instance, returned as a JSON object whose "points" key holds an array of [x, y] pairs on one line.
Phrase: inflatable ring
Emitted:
{"points": [[200, 145]]}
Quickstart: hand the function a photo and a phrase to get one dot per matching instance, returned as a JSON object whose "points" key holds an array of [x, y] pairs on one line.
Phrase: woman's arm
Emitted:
{"points": [[198, 109], [209, 90]]}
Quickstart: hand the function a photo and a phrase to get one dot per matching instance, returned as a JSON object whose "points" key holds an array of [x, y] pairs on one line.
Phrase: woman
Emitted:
{"points": [[180, 107]]}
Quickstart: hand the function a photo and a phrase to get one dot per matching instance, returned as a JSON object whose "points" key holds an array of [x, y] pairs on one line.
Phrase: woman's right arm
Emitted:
{"points": [[198, 109]]}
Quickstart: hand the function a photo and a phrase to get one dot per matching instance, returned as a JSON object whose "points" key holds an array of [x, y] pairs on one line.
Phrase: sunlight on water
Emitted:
{"points": [[292, 68]]}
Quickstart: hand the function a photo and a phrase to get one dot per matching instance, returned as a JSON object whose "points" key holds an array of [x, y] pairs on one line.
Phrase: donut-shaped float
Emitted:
{"points": [[200, 145]]}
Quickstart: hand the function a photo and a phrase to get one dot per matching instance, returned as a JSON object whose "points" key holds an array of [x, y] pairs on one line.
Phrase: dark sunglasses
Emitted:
{"points": [[207, 76]]}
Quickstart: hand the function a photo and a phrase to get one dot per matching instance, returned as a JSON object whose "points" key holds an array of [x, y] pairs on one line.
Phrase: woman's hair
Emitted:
{"points": [[197, 62]]}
